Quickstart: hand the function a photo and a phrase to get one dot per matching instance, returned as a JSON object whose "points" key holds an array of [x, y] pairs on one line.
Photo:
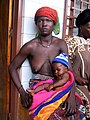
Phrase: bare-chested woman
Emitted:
{"points": [[40, 52]]}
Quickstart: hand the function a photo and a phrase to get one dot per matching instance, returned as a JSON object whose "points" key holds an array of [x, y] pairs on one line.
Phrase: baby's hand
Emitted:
{"points": [[30, 91], [49, 88]]}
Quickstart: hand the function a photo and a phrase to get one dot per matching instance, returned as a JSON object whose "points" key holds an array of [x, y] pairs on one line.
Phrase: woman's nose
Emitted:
{"points": [[44, 23]]}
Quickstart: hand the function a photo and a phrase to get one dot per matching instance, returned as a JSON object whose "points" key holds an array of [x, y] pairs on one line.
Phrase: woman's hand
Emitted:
{"points": [[26, 99], [80, 80], [70, 105]]}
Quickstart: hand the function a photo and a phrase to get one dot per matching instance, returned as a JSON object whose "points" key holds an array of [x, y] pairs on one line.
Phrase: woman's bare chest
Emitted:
{"points": [[42, 59]]}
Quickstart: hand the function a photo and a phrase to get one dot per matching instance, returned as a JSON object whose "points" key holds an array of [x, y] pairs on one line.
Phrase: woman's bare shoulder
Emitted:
{"points": [[29, 46], [59, 41], [31, 43]]}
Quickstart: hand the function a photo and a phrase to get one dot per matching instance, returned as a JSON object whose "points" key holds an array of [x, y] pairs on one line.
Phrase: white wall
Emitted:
{"points": [[29, 29]]}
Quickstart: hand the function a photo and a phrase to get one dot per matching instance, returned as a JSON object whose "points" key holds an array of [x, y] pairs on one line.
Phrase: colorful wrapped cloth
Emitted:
{"points": [[45, 103], [59, 114]]}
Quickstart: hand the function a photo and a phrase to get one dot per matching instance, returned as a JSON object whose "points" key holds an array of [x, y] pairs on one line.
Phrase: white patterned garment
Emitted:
{"points": [[79, 52], [82, 47]]}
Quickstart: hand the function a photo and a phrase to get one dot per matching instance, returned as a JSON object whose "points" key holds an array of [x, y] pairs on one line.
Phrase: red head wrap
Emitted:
{"points": [[47, 12]]}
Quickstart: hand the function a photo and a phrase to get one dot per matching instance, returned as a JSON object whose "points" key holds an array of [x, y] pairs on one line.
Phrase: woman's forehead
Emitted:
{"points": [[44, 18]]}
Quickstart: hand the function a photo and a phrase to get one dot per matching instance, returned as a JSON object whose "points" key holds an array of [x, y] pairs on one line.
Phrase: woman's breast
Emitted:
{"points": [[41, 66]]}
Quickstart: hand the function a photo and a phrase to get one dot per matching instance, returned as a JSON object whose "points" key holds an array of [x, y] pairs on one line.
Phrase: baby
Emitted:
{"points": [[60, 67]]}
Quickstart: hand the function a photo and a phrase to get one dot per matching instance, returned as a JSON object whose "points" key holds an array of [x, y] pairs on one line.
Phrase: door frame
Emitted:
{"points": [[14, 46]]}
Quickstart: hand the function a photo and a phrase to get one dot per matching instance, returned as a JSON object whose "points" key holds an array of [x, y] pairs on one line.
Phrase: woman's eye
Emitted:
{"points": [[49, 20], [39, 21]]}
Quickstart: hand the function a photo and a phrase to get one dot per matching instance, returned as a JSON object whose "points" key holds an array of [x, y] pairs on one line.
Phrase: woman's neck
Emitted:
{"points": [[46, 38], [80, 35], [46, 41]]}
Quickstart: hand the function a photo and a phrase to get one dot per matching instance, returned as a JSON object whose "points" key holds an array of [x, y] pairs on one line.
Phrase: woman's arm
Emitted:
{"points": [[13, 69], [77, 70]]}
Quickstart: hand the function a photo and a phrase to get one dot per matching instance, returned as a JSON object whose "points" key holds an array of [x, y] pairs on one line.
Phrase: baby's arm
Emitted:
{"points": [[38, 88], [62, 81], [59, 82]]}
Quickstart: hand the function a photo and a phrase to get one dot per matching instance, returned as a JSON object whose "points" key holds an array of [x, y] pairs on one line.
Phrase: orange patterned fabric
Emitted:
{"points": [[47, 12], [45, 112]]}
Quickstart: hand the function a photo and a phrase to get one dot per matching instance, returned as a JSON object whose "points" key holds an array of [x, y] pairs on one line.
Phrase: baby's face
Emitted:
{"points": [[58, 69]]}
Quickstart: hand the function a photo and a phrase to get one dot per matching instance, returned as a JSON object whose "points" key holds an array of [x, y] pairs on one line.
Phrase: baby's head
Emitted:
{"points": [[60, 63]]}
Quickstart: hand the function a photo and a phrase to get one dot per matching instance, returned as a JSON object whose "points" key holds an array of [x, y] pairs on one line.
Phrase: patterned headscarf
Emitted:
{"points": [[50, 13]]}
